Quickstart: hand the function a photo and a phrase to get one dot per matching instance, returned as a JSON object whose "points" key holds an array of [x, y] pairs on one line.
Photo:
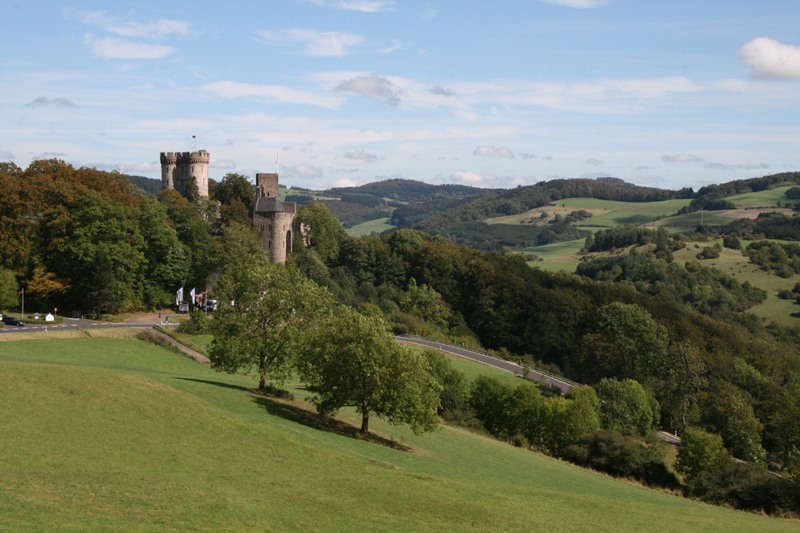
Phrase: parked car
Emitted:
{"points": [[11, 321]]}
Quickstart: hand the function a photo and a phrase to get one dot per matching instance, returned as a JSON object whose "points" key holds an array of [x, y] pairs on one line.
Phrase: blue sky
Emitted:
{"points": [[344, 92]]}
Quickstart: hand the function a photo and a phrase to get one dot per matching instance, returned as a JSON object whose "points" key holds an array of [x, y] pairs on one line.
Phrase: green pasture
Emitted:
{"points": [[113, 434], [687, 223], [557, 256], [768, 198], [378, 225], [736, 264], [622, 213]]}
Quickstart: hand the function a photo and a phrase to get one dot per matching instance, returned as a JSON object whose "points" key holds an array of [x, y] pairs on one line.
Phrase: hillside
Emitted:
{"points": [[116, 434]]}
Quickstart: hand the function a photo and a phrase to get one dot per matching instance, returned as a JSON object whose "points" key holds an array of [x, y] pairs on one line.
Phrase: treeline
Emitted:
{"points": [[708, 290], [407, 190], [624, 236], [677, 330], [766, 226], [90, 242], [498, 237]]}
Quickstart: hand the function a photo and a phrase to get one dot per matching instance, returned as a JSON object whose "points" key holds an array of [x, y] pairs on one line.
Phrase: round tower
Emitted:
{"points": [[168, 162], [198, 162]]}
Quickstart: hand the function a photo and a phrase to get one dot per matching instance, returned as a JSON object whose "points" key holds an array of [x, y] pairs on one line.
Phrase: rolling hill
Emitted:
{"points": [[116, 434]]}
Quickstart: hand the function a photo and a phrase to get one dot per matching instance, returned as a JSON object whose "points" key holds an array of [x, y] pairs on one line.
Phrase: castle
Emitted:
{"points": [[271, 217], [178, 169]]}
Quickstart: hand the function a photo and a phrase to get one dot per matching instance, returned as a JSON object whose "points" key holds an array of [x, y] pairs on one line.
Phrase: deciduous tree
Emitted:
{"points": [[262, 311], [352, 360]]}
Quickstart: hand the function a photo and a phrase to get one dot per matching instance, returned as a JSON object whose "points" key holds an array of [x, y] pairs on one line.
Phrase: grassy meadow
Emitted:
{"points": [[378, 225], [115, 434]]}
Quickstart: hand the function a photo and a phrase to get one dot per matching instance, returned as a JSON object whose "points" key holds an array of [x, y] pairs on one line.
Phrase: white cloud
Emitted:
{"points": [[315, 43], [396, 46], [272, 93], [594, 162], [681, 158], [151, 30], [582, 4], [494, 151], [471, 178], [375, 86], [111, 48], [302, 171], [361, 155], [6, 155], [745, 166], [768, 58], [364, 6], [45, 101]]}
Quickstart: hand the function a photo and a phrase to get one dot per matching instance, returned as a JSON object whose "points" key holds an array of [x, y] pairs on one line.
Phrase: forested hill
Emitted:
{"points": [[408, 190], [441, 213]]}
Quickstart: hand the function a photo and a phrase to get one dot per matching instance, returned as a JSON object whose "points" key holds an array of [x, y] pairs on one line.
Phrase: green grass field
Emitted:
{"points": [[768, 198], [379, 225], [734, 263], [115, 434]]}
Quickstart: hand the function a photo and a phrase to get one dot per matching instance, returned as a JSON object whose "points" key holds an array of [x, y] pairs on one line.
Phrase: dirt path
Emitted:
{"points": [[197, 356]]}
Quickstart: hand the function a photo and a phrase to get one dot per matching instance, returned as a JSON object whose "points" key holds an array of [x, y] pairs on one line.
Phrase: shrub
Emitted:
{"points": [[623, 456], [196, 325]]}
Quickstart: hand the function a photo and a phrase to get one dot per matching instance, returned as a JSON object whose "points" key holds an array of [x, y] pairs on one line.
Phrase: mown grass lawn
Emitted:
{"points": [[113, 434]]}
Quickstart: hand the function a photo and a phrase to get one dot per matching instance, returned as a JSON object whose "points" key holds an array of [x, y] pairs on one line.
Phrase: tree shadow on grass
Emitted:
{"points": [[288, 411], [216, 383]]}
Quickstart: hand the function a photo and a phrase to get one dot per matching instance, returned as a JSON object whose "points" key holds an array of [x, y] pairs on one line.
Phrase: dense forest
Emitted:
{"points": [[671, 344]]}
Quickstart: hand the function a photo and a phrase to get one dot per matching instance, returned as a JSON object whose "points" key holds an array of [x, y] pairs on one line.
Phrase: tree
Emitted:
{"points": [[262, 311], [350, 359], [233, 188], [700, 452], [625, 406], [320, 230], [8, 289], [683, 379], [427, 304], [167, 265], [95, 246], [192, 191], [627, 343]]}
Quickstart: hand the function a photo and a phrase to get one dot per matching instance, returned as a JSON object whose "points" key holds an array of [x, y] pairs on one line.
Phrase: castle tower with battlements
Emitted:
{"points": [[273, 218], [178, 168]]}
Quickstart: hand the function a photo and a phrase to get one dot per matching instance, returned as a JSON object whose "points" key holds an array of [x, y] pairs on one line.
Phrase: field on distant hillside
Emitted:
{"points": [[605, 213], [734, 263], [379, 225], [767, 198], [556, 256], [118, 435]]}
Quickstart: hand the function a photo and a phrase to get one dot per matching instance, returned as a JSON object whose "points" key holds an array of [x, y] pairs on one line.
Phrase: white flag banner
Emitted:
{"points": [[179, 296], [191, 293]]}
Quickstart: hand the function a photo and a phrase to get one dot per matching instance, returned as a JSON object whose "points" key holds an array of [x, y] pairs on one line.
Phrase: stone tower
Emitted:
{"points": [[177, 169], [273, 218]]}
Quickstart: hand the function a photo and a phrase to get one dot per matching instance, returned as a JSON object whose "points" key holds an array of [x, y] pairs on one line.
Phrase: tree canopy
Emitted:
{"points": [[350, 359]]}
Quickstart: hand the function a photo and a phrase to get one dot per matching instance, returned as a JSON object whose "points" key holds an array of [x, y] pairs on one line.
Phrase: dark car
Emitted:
{"points": [[11, 321]]}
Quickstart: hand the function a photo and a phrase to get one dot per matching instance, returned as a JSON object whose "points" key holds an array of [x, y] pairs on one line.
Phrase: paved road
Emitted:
{"points": [[554, 382], [74, 323], [561, 385]]}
